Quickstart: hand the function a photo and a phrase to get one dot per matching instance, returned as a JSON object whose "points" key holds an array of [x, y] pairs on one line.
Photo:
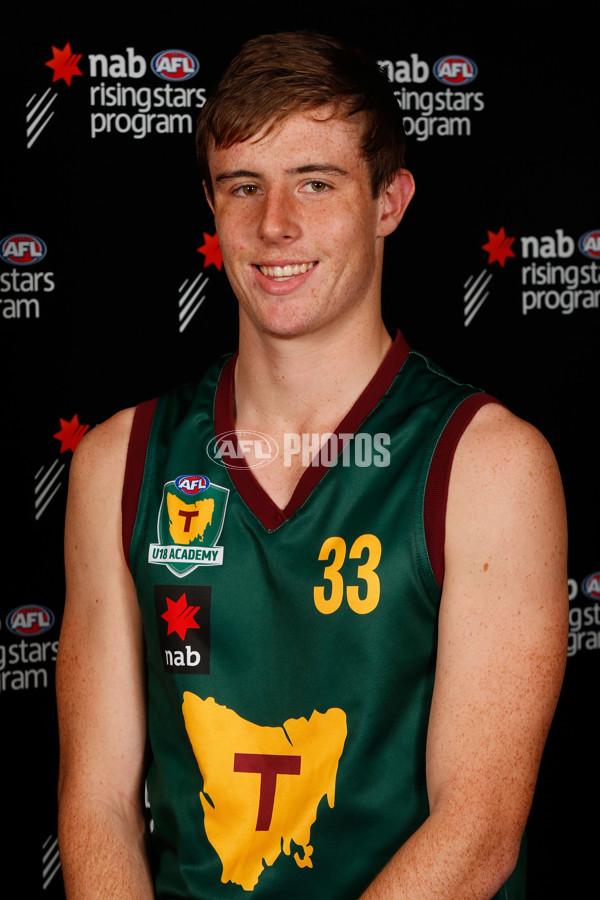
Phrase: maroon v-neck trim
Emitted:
{"points": [[252, 493]]}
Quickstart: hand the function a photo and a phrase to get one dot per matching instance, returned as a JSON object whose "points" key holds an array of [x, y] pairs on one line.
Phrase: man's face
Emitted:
{"points": [[300, 232]]}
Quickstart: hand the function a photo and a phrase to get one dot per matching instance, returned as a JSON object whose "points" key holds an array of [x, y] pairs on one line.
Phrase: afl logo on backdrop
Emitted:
{"points": [[175, 65], [455, 70], [589, 244], [192, 484], [22, 249], [30, 620], [591, 586]]}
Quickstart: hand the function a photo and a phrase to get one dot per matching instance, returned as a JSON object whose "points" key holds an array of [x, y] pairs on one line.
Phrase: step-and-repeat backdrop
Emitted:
{"points": [[112, 289]]}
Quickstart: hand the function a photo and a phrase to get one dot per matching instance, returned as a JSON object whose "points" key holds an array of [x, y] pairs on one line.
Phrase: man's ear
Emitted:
{"points": [[208, 195], [394, 200]]}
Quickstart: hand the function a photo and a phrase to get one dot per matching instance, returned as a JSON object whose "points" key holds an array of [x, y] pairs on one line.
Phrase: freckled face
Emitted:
{"points": [[300, 232]]}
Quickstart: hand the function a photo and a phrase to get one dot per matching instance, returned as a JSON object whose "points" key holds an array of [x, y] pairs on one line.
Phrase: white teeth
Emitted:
{"points": [[286, 271]]}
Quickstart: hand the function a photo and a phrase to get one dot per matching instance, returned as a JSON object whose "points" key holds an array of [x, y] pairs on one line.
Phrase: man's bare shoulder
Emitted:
{"points": [[96, 483], [505, 496], [96, 571], [495, 422], [500, 448], [103, 450]]}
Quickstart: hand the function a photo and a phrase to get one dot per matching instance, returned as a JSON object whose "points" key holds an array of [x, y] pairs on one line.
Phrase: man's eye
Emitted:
{"points": [[247, 190], [316, 187]]}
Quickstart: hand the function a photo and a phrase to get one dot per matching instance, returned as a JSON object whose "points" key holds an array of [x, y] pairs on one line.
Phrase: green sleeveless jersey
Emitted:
{"points": [[290, 653]]}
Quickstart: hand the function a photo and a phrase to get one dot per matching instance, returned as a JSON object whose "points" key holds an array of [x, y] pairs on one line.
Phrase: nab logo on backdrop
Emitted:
{"points": [[584, 620], [120, 102], [444, 108], [559, 273], [20, 287], [26, 664]]}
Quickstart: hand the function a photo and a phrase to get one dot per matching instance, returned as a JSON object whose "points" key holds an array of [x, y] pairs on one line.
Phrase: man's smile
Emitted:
{"points": [[289, 270]]}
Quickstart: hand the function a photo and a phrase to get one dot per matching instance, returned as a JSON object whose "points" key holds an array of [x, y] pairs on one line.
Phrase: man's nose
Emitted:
{"points": [[279, 219]]}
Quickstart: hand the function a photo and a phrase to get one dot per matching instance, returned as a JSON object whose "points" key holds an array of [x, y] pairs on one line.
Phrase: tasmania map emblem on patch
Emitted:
{"points": [[190, 521]]}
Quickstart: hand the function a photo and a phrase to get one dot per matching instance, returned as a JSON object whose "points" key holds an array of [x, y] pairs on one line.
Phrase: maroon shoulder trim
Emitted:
{"points": [[134, 468], [248, 487], [436, 490]]}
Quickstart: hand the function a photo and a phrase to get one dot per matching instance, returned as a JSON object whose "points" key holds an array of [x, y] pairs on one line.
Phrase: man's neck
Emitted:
{"points": [[308, 382]]}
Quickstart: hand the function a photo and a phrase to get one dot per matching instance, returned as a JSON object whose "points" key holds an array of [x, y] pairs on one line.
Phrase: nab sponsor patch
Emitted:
{"points": [[183, 623], [190, 521]]}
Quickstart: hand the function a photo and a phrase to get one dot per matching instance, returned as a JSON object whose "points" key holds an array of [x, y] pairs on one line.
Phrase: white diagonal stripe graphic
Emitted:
{"points": [[470, 318], [184, 297], [183, 325], [475, 284], [40, 485], [41, 100], [47, 487], [474, 297], [187, 309], [50, 860], [37, 126]]}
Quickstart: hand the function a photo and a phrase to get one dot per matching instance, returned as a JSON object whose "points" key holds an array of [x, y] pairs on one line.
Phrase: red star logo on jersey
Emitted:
{"points": [[64, 63], [498, 247], [180, 616], [212, 251]]}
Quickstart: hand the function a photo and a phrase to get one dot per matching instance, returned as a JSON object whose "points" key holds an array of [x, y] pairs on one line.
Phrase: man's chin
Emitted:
{"points": [[285, 325]]}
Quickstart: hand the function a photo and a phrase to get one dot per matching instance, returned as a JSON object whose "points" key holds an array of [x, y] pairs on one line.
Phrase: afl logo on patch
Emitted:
{"points": [[192, 484], [455, 70], [175, 65]]}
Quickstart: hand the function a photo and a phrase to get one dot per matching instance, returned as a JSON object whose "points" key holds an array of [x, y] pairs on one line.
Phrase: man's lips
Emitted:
{"points": [[286, 271], [283, 278]]}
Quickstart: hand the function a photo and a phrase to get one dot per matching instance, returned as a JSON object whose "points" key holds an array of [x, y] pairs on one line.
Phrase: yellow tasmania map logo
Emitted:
{"points": [[262, 784], [190, 521]]}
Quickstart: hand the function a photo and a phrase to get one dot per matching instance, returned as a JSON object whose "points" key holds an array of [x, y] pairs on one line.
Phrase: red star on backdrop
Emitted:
{"points": [[64, 63], [498, 247], [70, 433], [212, 251], [179, 616]]}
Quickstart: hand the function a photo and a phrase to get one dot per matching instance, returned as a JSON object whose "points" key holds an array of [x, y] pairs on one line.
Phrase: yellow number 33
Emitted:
{"points": [[365, 571]]}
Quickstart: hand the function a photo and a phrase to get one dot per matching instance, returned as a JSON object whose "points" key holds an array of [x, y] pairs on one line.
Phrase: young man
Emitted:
{"points": [[340, 663]]}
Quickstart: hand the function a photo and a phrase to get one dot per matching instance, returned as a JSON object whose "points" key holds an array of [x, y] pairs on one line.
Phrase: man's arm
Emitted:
{"points": [[501, 656], [100, 684]]}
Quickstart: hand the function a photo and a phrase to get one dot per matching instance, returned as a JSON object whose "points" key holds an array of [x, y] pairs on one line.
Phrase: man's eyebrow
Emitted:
{"points": [[319, 167], [237, 173], [316, 168]]}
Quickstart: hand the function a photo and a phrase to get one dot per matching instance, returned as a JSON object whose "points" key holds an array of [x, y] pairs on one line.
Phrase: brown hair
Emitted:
{"points": [[276, 75]]}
